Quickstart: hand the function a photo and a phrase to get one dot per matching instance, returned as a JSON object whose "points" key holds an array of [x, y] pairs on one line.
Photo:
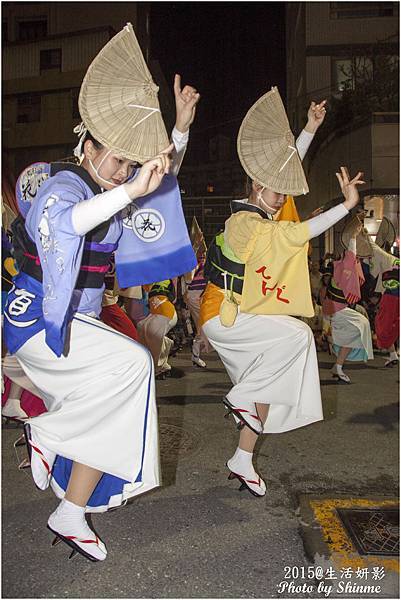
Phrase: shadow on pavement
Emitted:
{"points": [[386, 416]]}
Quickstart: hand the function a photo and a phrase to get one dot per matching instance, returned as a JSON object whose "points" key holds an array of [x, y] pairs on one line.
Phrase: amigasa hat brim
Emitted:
{"points": [[266, 147], [386, 233], [118, 100], [363, 246]]}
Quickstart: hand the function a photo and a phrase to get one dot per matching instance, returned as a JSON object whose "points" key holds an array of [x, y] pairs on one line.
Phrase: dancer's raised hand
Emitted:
{"points": [[150, 174], [349, 187], [186, 100], [316, 115]]}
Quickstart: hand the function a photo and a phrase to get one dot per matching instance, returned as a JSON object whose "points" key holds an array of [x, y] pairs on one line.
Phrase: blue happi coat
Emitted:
{"points": [[150, 239]]}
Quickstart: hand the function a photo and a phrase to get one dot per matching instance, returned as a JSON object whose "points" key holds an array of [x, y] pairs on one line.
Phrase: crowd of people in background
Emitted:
{"points": [[374, 303]]}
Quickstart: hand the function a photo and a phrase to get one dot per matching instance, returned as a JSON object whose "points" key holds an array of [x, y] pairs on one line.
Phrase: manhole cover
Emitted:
{"points": [[176, 442], [372, 530]]}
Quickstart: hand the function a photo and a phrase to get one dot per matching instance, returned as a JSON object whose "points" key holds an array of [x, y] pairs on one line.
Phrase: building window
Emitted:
{"points": [[362, 10], [28, 108], [50, 60], [31, 30], [349, 72]]}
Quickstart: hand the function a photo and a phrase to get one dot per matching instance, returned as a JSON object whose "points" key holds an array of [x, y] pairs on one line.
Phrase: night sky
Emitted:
{"points": [[232, 52]]}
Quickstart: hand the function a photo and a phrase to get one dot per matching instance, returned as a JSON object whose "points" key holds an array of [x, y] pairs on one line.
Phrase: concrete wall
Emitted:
{"points": [[318, 74], [314, 38], [65, 17], [372, 149], [80, 30], [323, 30], [22, 61], [352, 150], [385, 155]]}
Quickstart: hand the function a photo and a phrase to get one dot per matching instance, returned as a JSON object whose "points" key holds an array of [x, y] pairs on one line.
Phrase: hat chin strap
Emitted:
{"points": [[96, 170], [270, 207], [260, 198], [81, 131]]}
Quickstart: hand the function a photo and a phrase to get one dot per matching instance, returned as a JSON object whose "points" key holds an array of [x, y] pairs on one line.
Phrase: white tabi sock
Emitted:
{"points": [[241, 463], [393, 356], [69, 520]]}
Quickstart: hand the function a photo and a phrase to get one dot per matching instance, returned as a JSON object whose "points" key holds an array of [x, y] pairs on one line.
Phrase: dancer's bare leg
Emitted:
{"points": [[82, 482], [337, 369], [247, 438], [68, 519], [342, 355], [241, 463]]}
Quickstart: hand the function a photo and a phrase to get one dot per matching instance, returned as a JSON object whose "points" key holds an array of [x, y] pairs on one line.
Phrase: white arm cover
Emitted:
{"points": [[180, 141], [382, 261], [303, 142], [88, 214], [321, 223], [352, 245]]}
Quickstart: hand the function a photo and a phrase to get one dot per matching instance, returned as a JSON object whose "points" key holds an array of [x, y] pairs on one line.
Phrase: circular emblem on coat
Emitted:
{"points": [[148, 224]]}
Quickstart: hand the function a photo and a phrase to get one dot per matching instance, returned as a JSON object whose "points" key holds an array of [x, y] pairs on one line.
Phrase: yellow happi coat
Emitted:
{"points": [[276, 264]]}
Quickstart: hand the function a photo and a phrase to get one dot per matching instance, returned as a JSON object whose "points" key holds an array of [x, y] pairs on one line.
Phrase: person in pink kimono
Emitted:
{"points": [[351, 334]]}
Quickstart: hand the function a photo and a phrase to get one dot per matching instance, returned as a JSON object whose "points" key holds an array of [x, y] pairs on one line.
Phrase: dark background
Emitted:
{"points": [[232, 52]]}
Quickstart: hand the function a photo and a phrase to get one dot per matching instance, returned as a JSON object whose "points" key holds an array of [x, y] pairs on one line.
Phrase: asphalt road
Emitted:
{"points": [[197, 536]]}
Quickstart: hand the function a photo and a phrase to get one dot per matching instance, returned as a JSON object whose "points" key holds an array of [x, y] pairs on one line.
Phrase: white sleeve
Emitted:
{"points": [[382, 261], [180, 141], [352, 245], [88, 214], [303, 142], [321, 223], [188, 277]]}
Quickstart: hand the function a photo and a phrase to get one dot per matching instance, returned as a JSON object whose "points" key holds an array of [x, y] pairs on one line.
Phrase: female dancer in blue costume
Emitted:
{"points": [[97, 445]]}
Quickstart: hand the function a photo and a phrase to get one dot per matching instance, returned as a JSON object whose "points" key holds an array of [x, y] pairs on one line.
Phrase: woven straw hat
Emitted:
{"points": [[266, 147], [7, 215], [197, 237], [386, 233], [118, 100], [363, 245]]}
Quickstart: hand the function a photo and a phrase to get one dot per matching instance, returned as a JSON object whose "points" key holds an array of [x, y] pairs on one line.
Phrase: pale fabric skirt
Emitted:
{"points": [[152, 333], [193, 301], [350, 329], [271, 360], [101, 407]]}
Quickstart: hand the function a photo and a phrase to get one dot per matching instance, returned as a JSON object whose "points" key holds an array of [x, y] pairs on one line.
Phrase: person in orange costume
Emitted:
{"points": [[154, 328]]}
